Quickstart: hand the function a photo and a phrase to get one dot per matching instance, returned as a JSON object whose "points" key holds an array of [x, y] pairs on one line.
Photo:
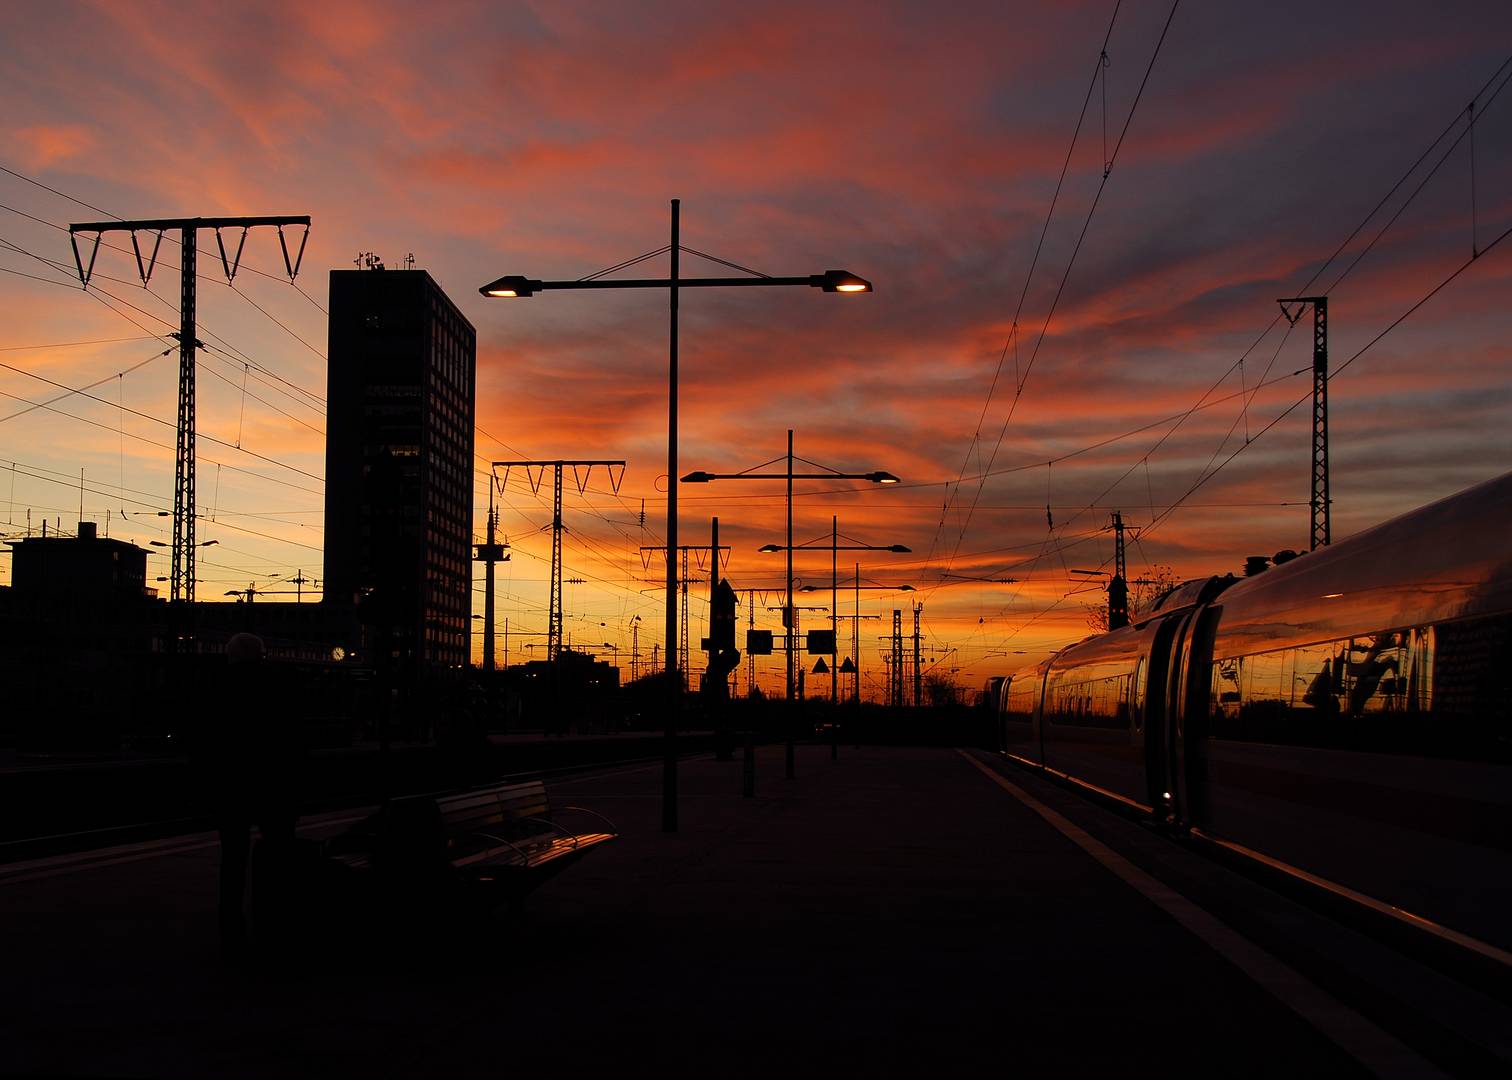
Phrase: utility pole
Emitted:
{"points": [[856, 643], [635, 648], [181, 579], [683, 549], [1321, 532], [554, 623], [750, 656], [918, 678], [683, 660], [713, 589], [489, 553], [1118, 585], [896, 682]]}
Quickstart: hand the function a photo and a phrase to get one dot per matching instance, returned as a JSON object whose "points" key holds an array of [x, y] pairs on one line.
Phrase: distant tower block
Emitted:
{"points": [[399, 463]]}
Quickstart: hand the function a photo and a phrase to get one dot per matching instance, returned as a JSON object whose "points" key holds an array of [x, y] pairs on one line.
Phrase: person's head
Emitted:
{"points": [[244, 649]]}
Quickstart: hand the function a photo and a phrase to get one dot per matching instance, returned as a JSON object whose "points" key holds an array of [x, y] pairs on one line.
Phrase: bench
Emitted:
{"points": [[495, 843]]}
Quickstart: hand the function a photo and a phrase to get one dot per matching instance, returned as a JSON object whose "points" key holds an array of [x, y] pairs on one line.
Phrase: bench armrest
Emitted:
{"points": [[584, 810], [552, 825], [500, 840]]}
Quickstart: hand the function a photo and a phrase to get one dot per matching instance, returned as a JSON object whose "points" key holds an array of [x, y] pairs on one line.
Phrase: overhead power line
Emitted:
{"points": [[1109, 163]]}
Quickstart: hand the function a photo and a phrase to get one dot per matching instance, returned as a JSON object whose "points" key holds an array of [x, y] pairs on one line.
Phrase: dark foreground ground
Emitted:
{"points": [[898, 910]]}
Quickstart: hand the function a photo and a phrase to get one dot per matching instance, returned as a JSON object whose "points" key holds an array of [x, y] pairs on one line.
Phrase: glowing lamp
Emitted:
{"points": [[843, 281]]}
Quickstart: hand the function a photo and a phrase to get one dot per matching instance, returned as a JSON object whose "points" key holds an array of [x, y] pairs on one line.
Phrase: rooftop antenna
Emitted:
{"points": [[409, 261]]}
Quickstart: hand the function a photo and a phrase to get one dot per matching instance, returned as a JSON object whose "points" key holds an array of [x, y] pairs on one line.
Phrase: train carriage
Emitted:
{"points": [[1347, 715]]}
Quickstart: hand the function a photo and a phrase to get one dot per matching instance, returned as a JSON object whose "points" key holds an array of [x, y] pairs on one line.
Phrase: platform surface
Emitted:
{"points": [[898, 909]]}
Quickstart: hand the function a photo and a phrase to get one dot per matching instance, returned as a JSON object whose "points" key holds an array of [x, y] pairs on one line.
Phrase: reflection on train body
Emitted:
{"points": [[1348, 713]]}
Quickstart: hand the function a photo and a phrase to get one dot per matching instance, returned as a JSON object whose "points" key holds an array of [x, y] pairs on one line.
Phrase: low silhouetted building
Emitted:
{"points": [[84, 570], [574, 694]]}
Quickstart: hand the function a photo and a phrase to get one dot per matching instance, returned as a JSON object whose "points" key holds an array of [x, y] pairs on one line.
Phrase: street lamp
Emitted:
{"points": [[835, 546], [856, 624], [876, 477], [842, 282], [513, 286]]}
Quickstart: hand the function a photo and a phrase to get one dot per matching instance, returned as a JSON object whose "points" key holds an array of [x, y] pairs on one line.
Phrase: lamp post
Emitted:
{"points": [[856, 630], [835, 547], [876, 477], [830, 281]]}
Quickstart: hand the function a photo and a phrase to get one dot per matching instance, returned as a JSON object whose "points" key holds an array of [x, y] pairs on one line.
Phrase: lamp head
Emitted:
{"points": [[905, 588], [882, 478], [843, 281], [698, 478], [511, 285], [900, 549], [769, 548]]}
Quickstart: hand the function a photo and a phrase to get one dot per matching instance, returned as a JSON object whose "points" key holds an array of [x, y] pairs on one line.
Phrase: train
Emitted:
{"points": [[1344, 717]]}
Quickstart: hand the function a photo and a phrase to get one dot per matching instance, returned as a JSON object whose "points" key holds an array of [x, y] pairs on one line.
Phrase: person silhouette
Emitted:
{"points": [[248, 758]]}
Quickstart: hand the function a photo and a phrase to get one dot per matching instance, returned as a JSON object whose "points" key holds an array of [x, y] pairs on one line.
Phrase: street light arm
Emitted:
{"points": [[867, 588], [896, 548], [875, 477], [831, 281]]}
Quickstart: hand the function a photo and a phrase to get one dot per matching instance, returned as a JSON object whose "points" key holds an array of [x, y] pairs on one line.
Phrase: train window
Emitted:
{"points": [[1022, 697], [1470, 686], [1089, 703], [1318, 677], [1378, 674], [1137, 693], [1370, 692]]}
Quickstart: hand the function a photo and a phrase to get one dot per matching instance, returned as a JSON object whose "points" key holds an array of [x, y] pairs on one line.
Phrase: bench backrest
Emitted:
{"points": [[498, 805], [417, 829]]}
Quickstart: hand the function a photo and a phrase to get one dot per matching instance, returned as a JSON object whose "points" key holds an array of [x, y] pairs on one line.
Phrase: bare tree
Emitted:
{"points": [[940, 689], [1143, 592]]}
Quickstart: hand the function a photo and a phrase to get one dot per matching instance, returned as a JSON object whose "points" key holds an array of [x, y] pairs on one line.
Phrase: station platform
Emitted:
{"points": [[896, 910]]}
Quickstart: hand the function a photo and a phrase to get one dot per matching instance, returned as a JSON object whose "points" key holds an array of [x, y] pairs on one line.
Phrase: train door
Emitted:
{"points": [[1192, 673], [1000, 706], [1159, 728], [1039, 713]]}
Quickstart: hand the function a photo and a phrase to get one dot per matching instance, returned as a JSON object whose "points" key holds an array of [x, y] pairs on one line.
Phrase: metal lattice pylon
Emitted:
{"points": [[554, 618], [182, 575], [1321, 532], [682, 641], [896, 667]]}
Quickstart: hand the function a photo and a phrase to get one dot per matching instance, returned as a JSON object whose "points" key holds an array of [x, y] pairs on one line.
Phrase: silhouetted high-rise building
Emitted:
{"points": [[399, 464]]}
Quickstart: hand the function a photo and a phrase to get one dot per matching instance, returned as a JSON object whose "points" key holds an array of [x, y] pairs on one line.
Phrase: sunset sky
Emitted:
{"points": [[916, 145]]}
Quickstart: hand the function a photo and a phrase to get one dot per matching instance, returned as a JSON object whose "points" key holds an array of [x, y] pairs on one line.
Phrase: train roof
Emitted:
{"points": [[1190, 593], [1448, 560]]}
